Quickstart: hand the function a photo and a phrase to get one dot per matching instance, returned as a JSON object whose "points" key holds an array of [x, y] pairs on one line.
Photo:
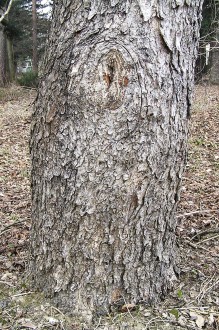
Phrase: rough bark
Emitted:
{"points": [[108, 150]]}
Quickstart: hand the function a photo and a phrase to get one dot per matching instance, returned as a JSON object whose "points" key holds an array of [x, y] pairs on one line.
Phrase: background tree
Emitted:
{"points": [[208, 59], [17, 37], [5, 57], [2, 55], [20, 27], [5, 6], [34, 28], [108, 148], [21, 22]]}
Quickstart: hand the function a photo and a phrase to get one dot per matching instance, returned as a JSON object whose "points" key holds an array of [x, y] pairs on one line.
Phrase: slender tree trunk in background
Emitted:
{"points": [[214, 75], [7, 70], [10, 53], [108, 150], [3, 57], [34, 20]]}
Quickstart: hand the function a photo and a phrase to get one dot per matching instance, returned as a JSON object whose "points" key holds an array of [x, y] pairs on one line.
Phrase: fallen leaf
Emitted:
{"points": [[199, 319], [182, 320], [200, 322], [193, 315], [52, 320], [27, 323], [211, 319], [147, 313], [128, 307]]}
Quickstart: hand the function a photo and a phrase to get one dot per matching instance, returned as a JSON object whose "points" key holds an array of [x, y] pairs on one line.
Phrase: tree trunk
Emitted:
{"points": [[214, 75], [3, 57], [11, 66], [34, 21], [108, 150]]}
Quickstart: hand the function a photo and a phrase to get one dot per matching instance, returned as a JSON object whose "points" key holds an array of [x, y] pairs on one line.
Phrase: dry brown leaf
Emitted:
{"points": [[128, 307]]}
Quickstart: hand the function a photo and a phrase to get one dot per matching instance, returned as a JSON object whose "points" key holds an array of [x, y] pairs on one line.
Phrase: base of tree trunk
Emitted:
{"points": [[108, 148]]}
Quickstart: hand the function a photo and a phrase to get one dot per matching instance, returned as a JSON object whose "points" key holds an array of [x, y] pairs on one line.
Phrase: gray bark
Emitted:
{"points": [[108, 150]]}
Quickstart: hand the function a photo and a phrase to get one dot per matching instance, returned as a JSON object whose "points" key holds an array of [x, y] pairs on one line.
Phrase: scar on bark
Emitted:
{"points": [[107, 78], [110, 74]]}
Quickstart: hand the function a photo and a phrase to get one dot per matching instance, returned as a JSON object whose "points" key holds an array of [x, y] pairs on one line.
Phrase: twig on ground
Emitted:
{"points": [[158, 318], [31, 88], [4, 231], [198, 309], [22, 294], [207, 239], [7, 283], [186, 326], [194, 212], [188, 307], [195, 245], [61, 323], [99, 321], [205, 232], [207, 287], [57, 310], [7, 228]]}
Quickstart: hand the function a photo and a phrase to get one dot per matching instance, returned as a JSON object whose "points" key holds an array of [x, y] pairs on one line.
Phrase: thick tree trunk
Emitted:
{"points": [[108, 150]]}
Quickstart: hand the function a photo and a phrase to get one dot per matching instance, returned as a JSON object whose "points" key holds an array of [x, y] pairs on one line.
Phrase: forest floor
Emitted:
{"points": [[194, 302]]}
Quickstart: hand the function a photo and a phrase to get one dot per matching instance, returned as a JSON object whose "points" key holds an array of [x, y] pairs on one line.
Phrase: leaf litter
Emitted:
{"points": [[194, 302]]}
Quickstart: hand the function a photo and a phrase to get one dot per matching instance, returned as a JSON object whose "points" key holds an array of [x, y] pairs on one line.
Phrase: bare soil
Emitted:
{"points": [[194, 302]]}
